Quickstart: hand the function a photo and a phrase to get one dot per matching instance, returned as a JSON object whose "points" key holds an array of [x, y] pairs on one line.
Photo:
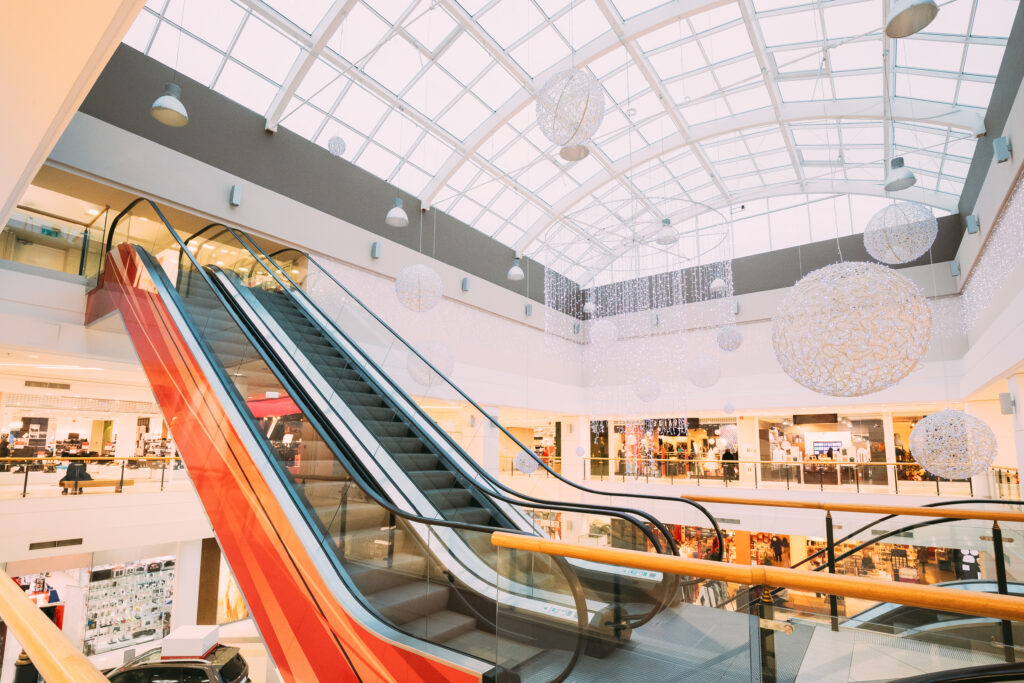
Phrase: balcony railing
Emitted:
{"points": [[48, 476]]}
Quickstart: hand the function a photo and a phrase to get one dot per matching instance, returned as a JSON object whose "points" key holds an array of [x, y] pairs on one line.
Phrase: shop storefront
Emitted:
{"points": [[664, 448], [826, 450]]}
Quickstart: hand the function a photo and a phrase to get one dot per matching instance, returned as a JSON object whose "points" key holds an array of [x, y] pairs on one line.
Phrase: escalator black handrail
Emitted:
{"points": [[670, 583], [493, 480], [573, 581]]}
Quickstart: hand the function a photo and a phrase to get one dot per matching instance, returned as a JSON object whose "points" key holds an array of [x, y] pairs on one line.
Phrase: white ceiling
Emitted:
{"points": [[774, 104]]}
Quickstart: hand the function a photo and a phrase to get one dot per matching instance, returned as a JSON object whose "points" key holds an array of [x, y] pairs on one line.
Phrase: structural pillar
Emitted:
{"points": [[1016, 384], [889, 435]]}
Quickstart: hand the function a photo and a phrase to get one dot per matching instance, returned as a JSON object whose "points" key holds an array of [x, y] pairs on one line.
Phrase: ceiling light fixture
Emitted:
{"points": [[168, 109], [667, 236], [910, 16], [515, 273], [397, 217], [574, 152], [590, 308], [900, 177]]}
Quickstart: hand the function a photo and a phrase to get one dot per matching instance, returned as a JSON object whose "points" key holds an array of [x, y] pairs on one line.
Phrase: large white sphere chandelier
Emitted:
{"points": [[900, 232], [952, 444], [729, 338], [851, 329], [418, 287], [570, 109]]}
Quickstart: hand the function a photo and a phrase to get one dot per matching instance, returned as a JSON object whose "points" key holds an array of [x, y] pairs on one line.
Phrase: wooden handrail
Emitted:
{"points": [[754, 461], [56, 659], [43, 458], [910, 511], [929, 597]]}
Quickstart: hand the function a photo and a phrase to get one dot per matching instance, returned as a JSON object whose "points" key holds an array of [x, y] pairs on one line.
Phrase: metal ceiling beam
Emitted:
{"points": [[872, 108], [328, 26], [603, 44], [837, 187]]}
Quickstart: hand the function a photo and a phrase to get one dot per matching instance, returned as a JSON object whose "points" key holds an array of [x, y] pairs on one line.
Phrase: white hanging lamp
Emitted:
{"points": [[515, 273], [168, 109], [899, 177], [397, 217], [590, 308], [667, 235], [910, 16]]}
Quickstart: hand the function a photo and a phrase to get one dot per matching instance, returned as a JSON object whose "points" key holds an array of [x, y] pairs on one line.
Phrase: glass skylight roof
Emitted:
{"points": [[713, 106]]}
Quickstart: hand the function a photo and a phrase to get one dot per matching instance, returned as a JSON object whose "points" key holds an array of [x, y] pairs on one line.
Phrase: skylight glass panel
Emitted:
{"points": [[303, 119], [586, 169], [769, 140], [245, 87], [466, 211], [397, 133], [974, 94], [378, 160], [852, 19], [265, 49], [779, 175], [555, 191], [994, 18], [749, 100], [631, 8], [738, 73], [680, 59], [433, 91], [321, 86], [705, 111], [719, 16], [353, 140], [305, 14], [194, 59], [430, 153], [358, 35], [857, 55], [431, 27], [952, 19], [465, 58], [805, 90], [913, 137], [859, 134], [464, 117], [141, 31], [772, 160], [984, 59], [955, 168], [496, 87], [623, 145], [929, 54], [658, 129], [509, 20], [726, 44], [789, 227], [490, 223], [857, 86], [789, 28], [410, 179], [925, 87], [665, 35], [213, 21], [395, 64], [950, 186], [507, 203], [484, 193], [541, 50], [684, 90], [768, 5], [604, 65], [519, 155], [961, 145], [582, 24], [799, 60], [751, 236], [360, 109]]}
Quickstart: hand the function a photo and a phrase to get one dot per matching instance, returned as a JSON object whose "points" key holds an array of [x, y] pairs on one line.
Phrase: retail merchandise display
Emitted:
{"points": [[128, 603]]}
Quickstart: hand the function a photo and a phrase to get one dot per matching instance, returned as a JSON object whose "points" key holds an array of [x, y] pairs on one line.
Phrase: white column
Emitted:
{"points": [[575, 434], [125, 427], [186, 584], [1016, 384], [483, 442], [749, 449], [889, 436]]}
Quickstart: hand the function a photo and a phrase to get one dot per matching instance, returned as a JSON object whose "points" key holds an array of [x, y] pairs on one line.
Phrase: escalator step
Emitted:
{"points": [[416, 461], [470, 515], [432, 479], [449, 498], [356, 515], [401, 444], [399, 429], [510, 654], [373, 576], [411, 601], [439, 627]]}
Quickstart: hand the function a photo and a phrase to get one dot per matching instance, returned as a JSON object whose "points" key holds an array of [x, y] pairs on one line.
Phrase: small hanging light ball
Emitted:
{"points": [[953, 445], [570, 108], [418, 287]]}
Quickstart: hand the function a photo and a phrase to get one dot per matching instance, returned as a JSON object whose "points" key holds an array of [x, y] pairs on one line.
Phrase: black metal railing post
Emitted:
{"points": [[24, 486], [766, 612], [1007, 627], [830, 547], [120, 485]]}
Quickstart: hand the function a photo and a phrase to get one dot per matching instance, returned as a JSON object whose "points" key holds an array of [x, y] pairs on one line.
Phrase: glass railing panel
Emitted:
{"points": [[38, 238]]}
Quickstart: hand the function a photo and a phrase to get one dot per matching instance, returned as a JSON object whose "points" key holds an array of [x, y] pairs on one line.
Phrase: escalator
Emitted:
{"points": [[343, 516]]}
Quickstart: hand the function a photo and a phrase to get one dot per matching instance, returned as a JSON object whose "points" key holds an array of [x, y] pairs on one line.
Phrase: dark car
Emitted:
{"points": [[223, 665]]}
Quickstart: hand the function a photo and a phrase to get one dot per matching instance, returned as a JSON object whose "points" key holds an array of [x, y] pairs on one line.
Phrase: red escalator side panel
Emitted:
{"points": [[309, 634]]}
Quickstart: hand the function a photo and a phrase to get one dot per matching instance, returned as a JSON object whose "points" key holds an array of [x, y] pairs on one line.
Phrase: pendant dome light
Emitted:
{"points": [[515, 273], [168, 109], [590, 308], [910, 16], [667, 235], [397, 217], [899, 177]]}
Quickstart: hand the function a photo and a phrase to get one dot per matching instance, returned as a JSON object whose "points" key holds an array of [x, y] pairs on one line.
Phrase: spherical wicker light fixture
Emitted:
{"points": [[851, 329], [570, 107], [704, 371], [729, 436], [729, 408], [603, 333], [900, 232], [581, 451], [953, 445], [647, 389], [418, 287], [336, 146], [439, 355], [526, 462], [729, 338]]}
